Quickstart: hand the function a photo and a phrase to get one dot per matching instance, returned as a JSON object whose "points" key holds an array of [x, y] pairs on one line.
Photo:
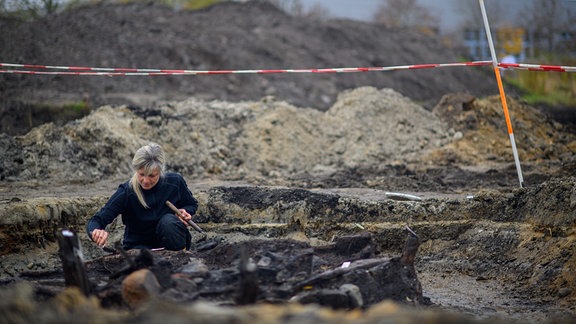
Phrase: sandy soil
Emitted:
{"points": [[269, 167], [490, 249]]}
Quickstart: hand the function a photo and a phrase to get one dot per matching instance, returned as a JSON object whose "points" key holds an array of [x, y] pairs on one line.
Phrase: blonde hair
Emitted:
{"points": [[150, 158]]}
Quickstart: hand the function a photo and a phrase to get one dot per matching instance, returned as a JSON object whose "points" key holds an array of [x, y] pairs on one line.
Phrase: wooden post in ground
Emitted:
{"points": [[73, 261]]}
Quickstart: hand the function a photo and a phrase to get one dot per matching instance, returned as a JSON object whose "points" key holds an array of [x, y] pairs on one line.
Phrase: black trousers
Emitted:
{"points": [[172, 234]]}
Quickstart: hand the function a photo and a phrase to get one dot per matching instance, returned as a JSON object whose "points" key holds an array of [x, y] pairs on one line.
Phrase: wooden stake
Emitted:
{"points": [[73, 261]]}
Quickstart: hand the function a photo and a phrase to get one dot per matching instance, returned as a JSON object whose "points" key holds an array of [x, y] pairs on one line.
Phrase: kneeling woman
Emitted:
{"points": [[141, 201]]}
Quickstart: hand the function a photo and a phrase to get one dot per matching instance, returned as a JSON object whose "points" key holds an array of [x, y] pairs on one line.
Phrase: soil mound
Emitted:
{"points": [[227, 36], [367, 136], [250, 139]]}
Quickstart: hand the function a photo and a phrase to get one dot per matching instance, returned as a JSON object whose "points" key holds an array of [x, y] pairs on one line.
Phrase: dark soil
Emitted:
{"points": [[279, 157]]}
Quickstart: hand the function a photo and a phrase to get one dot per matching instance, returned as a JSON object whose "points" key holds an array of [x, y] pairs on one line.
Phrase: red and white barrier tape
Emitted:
{"points": [[11, 68], [78, 70], [536, 67]]}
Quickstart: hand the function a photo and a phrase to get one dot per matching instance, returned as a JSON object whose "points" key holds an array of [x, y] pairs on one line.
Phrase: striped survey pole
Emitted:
{"points": [[502, 94]]}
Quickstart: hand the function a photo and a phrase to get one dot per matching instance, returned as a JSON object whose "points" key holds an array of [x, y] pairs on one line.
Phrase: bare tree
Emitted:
{"points": [[472, 15], [549, 22], [293, 7], [404, 13], [297, 9], [29, 9], [317, 11]]}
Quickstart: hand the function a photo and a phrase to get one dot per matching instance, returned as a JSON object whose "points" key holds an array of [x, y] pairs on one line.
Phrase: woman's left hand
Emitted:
{"points": [[186, 216]]}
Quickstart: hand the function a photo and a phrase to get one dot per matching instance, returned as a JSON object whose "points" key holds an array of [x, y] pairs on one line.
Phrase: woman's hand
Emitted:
{"points": [[99, 237], [186, 216]]}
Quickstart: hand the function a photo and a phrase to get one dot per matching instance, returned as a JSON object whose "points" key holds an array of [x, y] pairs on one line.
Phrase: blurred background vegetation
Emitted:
{"points": [[548, 88], [544, 32]]}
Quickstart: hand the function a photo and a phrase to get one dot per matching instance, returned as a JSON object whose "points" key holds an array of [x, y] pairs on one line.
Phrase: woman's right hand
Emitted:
{"points": [[99, 237]]}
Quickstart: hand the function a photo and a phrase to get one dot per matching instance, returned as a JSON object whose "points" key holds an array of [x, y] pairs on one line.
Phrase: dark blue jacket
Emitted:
{"points": [[141, 222]]}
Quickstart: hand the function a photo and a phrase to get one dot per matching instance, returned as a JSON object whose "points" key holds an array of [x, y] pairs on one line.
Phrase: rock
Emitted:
{"points": [[139, 287], [351, 244], [333, 298], [195, 268], [354, 295], [563, 292]]}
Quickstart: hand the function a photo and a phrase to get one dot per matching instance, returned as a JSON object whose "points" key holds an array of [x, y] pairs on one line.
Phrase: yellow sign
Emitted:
{"points": [[510, 39]]}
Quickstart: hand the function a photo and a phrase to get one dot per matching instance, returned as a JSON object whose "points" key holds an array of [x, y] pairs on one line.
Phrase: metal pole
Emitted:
{"points": [[502, 94]]}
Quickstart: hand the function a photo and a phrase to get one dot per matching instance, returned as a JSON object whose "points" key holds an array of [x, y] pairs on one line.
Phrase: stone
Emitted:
{"points": [[139, 287]]}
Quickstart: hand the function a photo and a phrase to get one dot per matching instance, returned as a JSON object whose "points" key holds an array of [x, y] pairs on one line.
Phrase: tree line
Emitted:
{"points": [[550, 23]]}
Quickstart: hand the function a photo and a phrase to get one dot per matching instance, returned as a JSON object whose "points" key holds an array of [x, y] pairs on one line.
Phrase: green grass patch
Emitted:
{"points": [[81, 107], [551, 88]]}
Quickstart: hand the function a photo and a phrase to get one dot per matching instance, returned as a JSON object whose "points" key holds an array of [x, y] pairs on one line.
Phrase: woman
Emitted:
{"points": [[149, 222]]}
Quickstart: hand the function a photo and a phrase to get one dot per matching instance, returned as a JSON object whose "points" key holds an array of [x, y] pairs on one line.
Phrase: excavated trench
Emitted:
{"points": [[311, 178], [491, 256], [488, 249]]}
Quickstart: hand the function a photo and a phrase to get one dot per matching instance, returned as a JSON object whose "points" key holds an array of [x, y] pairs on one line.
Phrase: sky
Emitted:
{"points": [[446, 10]]}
